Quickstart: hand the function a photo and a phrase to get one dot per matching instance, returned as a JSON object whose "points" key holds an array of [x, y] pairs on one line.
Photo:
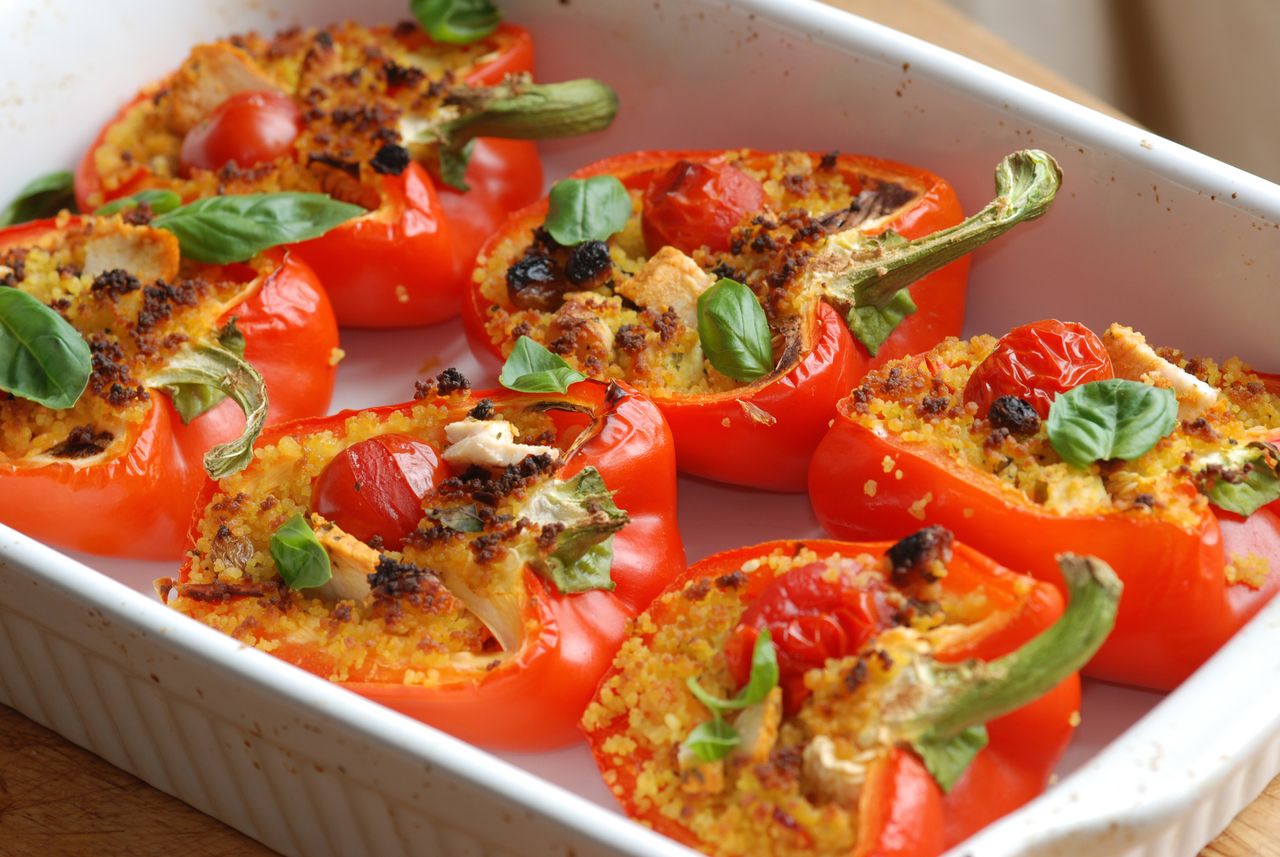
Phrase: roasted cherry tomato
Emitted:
{"points": [[811, 618], [696, 205], [1036, 362], [248, 128], [376, 487]]}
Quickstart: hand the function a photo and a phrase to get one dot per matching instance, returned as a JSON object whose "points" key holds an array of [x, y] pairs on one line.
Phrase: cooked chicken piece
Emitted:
{"points": [[698, 776], [578, 320], [211, 75], [351, 560], [149, 254], [488, 443], [1133, 359], [757, 726], [832, 778], [670, 279]]}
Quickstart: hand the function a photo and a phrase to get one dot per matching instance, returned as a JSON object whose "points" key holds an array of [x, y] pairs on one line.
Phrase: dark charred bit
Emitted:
{"points": [[394, 578], [452, 381], [630, 338], [856, 676], [139, 215], [731, 581], [217, 592], [482, 411], [614, 394], [533, 282], [666, 324], [82, 442], [351, 168], [341, 612], [324, 40], [697, 590], [391, 159], [931, 406], [486, 548], [423, 389], [798, 183], [828, 160], [726, 271], [1147, 501], [548, 536], [1015, 414], [402, 75], [406, 28], [918, 554], [476, 482], [588, 261], [115, 282], [1199, 427]]}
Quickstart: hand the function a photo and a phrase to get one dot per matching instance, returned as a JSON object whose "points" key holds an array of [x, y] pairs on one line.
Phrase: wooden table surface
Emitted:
{"points": [[57, 800]]}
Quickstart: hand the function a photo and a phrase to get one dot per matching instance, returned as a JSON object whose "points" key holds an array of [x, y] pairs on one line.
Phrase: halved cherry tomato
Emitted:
{"points": [[697, 204], [811, 619], [248, 128], [376, 487], [1036, 362]]}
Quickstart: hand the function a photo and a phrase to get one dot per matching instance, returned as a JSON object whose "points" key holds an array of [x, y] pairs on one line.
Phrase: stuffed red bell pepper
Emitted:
{"points": [[119, 347], [468, 560], [1054, 438], [839, 698], [730, 286], [403, 121]]}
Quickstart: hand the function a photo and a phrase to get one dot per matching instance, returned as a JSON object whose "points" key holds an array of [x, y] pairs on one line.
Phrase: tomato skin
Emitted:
{"points": [[696, 205], [1036, 362], [248, 128], [139, 504], [376, 487], [715, 438], [810, 620]]}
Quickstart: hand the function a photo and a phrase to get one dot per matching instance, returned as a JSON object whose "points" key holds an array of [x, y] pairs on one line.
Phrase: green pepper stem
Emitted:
{"points": [[519, 110], [214, 365], [960, 696], [873, 269]]}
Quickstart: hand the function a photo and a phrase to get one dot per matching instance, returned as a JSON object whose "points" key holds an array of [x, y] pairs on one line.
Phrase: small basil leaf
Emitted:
{"points": [[1109, 419], [454, 163], [462, 519], [215, 365], [948, 760], [585, 518], [225, 229], [590, 570], [191, 399], [1243, 480], [302, 561], [161, 201], [712, 740], [42, 357], [591, 209], [763, 679], [531, 368], [871, 325], [41, 197], [734, 331], [456, 22]]}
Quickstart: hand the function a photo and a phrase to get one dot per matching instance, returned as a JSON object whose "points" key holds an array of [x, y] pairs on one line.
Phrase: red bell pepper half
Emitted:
{"points": [[956, 437], [422, 151], [117, 471], [485, 599], [818, 241], [904, 696]]}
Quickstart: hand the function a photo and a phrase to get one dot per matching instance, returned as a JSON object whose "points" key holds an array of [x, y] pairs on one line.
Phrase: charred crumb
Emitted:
{"points": [[402, 75], [856, 676], [139, 215], [377, 542], [828, 161], [1199, 428], [488, 547], [16, 261], [268, 503], [451, 381], [666, 324], [477, 483], [548, 536], [1147, 501], [630, 338], [918, 553], [324, 40], [341, 612], [159, 300], [351, 168], [391, 159], [230, 505], [482, 411], [115, 282], [885, 659], [82, 442], [588, 261], [798, 183], [931, 406], [697, 590], [393, 578], [731, 581], [724, 270], [1014, 414], [405, 28]]}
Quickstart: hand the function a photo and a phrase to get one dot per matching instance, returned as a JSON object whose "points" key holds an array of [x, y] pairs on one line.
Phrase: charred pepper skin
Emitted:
{"points": [[138, 504]]}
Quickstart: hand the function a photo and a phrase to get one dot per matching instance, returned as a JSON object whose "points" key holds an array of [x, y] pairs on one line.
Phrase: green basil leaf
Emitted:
{"points": [[531, 368], [456, 22], [454, 163], [217, 366], [585, 516], [1243, 480], [712, 740], [42, 357], [1109, 419], [462, 519], [948, 760], [734, 331], [191, 399], [763, 679], [592, 569], [591, 209], [41, 197], [161, 201], [302, 561], [225, 229], [871, 325]]}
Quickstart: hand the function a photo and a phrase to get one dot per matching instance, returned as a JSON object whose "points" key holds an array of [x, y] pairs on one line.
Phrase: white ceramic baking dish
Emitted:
{"points": [[1144, 232]]}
